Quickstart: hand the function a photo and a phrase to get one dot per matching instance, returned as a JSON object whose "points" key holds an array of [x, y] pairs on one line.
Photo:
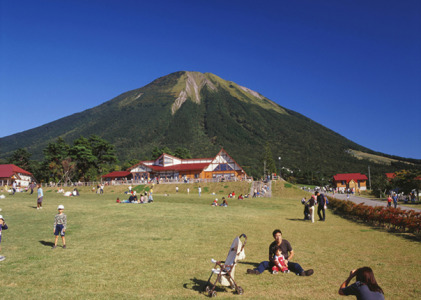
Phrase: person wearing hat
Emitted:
{"points": [[60, 224], [2, 226]]}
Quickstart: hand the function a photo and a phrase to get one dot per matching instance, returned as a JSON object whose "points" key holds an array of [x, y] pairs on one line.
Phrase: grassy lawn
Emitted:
{"points": [[163, 250]]}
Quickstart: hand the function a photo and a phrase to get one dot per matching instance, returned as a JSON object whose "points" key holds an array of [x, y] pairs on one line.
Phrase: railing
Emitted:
{"points": [[141, 182]]}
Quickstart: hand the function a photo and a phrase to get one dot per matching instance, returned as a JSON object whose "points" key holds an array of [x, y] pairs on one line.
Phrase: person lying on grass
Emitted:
{"points": [[365, 288], [286, 251]]}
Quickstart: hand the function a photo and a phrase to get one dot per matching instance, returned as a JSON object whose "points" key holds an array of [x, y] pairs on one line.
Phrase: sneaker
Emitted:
{"points": [[37, 207], [275, 272], [254, 272], [64, 247], [309, 272], [54, 247]]}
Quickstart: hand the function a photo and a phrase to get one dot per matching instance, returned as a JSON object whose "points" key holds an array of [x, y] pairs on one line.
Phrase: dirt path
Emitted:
{"points": [[371, 202]]}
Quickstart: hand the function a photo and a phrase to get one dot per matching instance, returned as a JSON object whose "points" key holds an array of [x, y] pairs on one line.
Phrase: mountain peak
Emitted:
{"points": [[192, 83]]}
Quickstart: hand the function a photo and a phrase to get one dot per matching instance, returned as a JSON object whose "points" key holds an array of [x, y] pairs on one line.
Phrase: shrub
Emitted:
{"points": [[392, 218]]}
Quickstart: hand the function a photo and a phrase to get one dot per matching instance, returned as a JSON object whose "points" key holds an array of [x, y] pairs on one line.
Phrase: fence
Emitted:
{"points": [[140, 182]]}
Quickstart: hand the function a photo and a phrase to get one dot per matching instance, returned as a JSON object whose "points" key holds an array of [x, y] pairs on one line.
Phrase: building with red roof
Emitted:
{"points": [[118, 175], [355, 181], [10, 173], [390, 176], [222, 166]]}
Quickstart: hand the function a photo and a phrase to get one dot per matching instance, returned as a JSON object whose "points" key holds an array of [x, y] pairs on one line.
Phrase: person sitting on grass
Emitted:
{"points": [[224, 202], [60, 224], [240, 197], [365, 287], [215, 202], [286, 251], [3, 226]]}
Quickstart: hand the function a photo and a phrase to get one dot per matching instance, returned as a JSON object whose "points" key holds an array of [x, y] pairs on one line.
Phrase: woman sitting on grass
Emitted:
{"points": [[365, 288]]}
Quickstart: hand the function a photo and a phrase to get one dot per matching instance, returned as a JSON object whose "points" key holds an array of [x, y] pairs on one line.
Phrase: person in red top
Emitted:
{"points": [[389, 201]]}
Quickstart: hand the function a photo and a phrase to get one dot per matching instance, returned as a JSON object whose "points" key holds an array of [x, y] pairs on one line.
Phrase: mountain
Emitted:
{"points": [[203, 112]]}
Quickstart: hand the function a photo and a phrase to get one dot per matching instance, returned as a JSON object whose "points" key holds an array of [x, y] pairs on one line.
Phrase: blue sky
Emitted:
{"points": [[353, 66]]}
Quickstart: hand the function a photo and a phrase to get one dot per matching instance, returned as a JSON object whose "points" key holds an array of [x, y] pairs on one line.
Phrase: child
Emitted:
{"points": [[215, 202], [60, 224], [224, 202], [280, 263], [2, 226]]}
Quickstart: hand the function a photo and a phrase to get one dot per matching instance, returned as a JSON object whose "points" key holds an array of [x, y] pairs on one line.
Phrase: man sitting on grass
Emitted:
{"points": [[286, 251]]}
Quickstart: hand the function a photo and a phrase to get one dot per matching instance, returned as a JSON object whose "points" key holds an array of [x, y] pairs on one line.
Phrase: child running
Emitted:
{"points": [[2, 226], [60, 223]]}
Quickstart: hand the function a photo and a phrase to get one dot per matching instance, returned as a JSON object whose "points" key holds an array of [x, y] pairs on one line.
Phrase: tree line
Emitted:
{"points": [[86, 159]]}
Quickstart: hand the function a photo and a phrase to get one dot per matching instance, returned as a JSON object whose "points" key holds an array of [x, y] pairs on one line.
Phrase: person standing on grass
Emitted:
{"points": [[395, 200], [60, 224], [32, 185], [321, 206], [365, 287], [200, 190], [40, 197], [14, 187], [3, 226], [311, 204], [286, 251]]}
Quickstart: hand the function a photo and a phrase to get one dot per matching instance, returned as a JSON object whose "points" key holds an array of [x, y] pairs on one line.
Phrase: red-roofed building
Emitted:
{"points": [[171, 167], [390, 176], [355, 181], [10, 173], [117, 175]]}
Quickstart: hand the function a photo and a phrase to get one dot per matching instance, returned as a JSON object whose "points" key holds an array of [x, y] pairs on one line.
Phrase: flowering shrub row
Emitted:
{"points": [[392, 218]]}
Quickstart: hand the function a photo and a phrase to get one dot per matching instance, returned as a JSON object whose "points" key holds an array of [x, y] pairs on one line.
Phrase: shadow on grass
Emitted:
{"points": [[406, 235], [302, 220], [199, 285], [31, 206], [249, 263], [48, 244]]}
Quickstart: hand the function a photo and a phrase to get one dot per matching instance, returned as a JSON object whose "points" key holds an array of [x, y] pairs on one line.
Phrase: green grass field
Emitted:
{"points": [[163, 250]]}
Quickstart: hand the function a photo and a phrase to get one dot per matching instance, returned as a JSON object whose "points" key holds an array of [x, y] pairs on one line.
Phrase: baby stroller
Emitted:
{"points": [[225, 270], [306, 210]]}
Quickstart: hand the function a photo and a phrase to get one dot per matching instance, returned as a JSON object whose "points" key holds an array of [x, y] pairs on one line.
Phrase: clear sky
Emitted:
{"points": [[352, 65]]}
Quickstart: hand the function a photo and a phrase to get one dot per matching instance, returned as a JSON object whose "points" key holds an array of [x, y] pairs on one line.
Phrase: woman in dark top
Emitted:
{"points": [[365, 288]]}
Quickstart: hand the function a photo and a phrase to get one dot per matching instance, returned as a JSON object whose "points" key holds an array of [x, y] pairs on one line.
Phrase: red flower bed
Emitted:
{"points": [[393, 218]]}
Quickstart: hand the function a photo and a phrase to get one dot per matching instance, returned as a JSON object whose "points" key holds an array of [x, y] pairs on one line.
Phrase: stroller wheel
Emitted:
{"points": [[213, 294], [207, 289], [240, 290]]}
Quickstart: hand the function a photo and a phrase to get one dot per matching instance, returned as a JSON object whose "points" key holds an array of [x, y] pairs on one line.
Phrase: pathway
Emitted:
{"points": [[259, 186], [371, 202]]}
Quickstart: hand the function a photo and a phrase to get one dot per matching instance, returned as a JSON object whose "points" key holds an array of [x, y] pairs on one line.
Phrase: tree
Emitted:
{"points": [[268, 160], [103, 151], [54, 155], [157, 152], [380, 185], [81, 153], [182, 153], [407, 180], [21, 158]]}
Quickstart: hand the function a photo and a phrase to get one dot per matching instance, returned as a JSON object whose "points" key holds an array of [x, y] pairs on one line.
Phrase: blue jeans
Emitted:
{"points": [[293, 267]]}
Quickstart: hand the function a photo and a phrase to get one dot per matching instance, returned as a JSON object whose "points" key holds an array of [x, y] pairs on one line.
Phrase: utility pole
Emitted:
{"points": [[369, 178], [264, 168], [280, 170]]}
